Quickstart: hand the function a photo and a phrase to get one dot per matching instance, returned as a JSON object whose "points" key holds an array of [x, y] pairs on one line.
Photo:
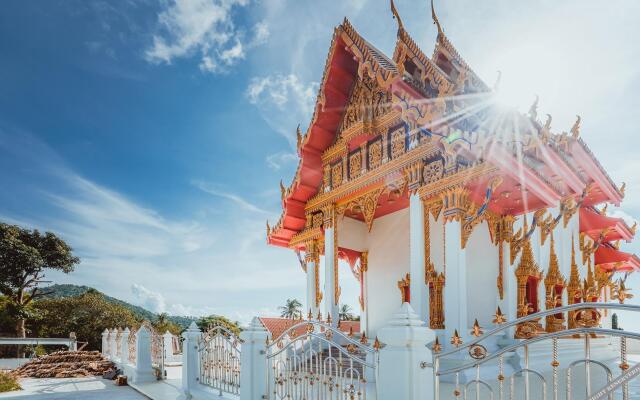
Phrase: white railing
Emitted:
{"points": [[219, 352], [313, 360], [475, 356]]}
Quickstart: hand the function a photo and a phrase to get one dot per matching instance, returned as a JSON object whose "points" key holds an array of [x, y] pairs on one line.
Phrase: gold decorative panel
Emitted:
{"points": [[398, 142], [336, 175], [355, 164], [375, 154], [433, 171]]}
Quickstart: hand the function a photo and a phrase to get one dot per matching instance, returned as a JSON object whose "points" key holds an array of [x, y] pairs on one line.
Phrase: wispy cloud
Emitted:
{"points": [[278, 160], [204, 29], [217, 191]]}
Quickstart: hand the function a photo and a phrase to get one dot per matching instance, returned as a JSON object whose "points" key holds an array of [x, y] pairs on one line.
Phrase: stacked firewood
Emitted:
{"points": [[65, 364]]}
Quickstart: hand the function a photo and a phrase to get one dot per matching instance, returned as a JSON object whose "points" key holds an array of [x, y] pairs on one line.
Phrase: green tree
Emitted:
{"points": [[346, 313], [206, 323], [162, 324], [24, 256], [87, 315], [292, 309]]}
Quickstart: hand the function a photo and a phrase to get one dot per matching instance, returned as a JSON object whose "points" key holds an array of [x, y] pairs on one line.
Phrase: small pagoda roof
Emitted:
{"points": [[594, 224], [609, 258]]}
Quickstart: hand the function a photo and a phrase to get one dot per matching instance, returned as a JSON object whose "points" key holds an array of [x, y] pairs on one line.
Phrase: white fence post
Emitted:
{"points": [[190, 359], [144, 370], [253, 371], [404, 369], [113, 346], [105, 343], [167, 340], [124, 347]]}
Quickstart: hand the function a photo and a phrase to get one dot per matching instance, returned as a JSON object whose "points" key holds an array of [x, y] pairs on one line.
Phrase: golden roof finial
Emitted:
{"points": [[622, 188], [575, 129], [435, 19], [268, 228], [310, 315], [396, 15], [603, 211], [634, 228], [376, 344], [533, 110], [283, 190], [298, 136]]}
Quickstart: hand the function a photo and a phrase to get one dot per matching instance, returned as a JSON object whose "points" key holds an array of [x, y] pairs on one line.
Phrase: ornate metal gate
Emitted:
{"points": [[475, 356], [219, 353], [314, 361]]}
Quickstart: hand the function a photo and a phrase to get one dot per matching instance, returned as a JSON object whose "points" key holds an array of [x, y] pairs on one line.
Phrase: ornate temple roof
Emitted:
{"points": [[539, 168]]}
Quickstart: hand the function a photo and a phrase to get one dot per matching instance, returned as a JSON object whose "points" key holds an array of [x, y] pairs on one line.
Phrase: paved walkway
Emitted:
{"points": [[94, 388]]}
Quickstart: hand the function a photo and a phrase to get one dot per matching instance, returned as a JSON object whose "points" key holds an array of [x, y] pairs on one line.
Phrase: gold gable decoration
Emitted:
{"points": [[368, 102]]}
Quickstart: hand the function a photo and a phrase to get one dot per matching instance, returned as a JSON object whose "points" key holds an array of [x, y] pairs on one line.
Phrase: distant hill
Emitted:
{"points": [[66, 290]]}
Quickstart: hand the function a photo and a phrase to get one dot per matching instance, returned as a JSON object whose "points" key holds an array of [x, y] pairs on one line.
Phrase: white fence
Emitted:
{"points": [[142, 354], [314, 361]]}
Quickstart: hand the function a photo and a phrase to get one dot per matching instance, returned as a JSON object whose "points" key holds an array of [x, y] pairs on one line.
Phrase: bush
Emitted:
{"points": [[8, 383]]}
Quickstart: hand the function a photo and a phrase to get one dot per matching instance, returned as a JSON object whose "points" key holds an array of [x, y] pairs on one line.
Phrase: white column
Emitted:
{"points": [[105, 343], [401, 375], [167, 340], [73, 342], [144, 370], [113, 346], [455, 289], [418, 288], [253, 374], [124, 346], [311, 259], [190, 362], [330, 307]]}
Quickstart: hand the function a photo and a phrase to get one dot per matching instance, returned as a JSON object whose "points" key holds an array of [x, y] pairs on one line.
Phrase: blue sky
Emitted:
{"points": [[152, 134]]}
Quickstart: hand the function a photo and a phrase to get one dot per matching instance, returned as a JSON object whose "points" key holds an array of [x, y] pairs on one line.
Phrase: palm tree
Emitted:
{"points": [[292, 309], [345, 313]]}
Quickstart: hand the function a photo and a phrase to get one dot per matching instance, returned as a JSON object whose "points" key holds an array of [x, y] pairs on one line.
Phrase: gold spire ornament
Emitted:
{"points": [[319, 317], [476, 329], [622, 188], [283, 190], [436, 347], [456, 340], [310, 315], [268, 228], [376, 344], [363, 338], [396, 15], [499, 318]]}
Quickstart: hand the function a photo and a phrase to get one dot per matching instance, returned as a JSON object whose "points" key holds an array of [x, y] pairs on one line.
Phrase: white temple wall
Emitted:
{"points": [[352, 234], [388, 244], [482, 272]]}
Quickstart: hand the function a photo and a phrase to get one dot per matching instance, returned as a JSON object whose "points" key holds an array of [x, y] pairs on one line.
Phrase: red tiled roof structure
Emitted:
{"points": [[277, 326]]}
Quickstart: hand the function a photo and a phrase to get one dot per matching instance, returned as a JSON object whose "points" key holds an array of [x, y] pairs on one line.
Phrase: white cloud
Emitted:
{"points": [[283, 101], [202, 28], [278, 160], [145, 298]]}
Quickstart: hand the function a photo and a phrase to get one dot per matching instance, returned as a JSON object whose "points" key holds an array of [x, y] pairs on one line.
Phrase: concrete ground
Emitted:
{"points": [[94, 388]]}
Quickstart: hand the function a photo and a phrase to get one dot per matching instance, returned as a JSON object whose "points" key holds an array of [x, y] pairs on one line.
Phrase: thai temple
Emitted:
{"points": [[437, 195]]}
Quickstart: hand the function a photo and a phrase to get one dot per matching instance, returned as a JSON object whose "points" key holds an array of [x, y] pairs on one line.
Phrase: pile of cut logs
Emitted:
{"points": [[65, 364]]}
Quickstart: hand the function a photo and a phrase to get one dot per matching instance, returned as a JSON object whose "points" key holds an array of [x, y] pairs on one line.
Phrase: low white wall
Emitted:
{"points": [[12, 363]]}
